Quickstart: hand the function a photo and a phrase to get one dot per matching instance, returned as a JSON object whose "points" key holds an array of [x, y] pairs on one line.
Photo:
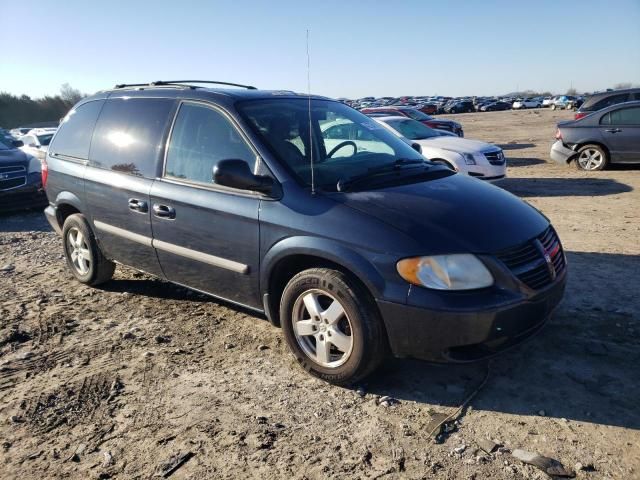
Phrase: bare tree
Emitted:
{"points": [[622, 85], [69, 94], [572, 91]]}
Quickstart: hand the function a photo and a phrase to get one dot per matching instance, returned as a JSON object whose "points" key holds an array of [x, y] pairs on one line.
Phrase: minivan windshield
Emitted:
{"points": [[344, 143]]}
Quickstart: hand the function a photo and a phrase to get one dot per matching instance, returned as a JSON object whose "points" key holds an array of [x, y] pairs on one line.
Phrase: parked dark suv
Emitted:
{"points": [[355, 249], [599, 101], [20, 178]]}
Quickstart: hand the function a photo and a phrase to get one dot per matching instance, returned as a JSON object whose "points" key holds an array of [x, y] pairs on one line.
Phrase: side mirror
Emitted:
{"points": [[18, 143], [236, 173], [416, 147]]}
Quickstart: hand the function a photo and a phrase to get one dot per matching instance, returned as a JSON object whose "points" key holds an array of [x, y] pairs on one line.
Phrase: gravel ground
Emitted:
{"points": [[141, 378]]}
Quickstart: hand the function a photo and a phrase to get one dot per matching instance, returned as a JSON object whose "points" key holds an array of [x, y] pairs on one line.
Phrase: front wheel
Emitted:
{"points": [[84, 257], [332, 326], [553, 107]]}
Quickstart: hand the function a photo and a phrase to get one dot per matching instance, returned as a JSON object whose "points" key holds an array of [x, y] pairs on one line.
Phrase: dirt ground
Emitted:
{"points": [[139, 376]]}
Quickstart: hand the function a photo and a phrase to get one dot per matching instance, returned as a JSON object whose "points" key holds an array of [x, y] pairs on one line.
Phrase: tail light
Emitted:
{"points": [[44, 172], [579, 115], [558, 134]]}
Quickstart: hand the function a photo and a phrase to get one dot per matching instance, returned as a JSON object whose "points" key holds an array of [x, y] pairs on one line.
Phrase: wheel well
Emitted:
{"points": [[63, 211], [289, 266], [582, 144]]}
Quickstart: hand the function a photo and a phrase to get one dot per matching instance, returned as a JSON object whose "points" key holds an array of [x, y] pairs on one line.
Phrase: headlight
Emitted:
{"points": [[461, 271], [468, 158], [34, 165]]}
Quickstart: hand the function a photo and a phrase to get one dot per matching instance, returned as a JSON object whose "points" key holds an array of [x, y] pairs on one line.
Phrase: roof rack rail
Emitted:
{"points": [[183, 83]]}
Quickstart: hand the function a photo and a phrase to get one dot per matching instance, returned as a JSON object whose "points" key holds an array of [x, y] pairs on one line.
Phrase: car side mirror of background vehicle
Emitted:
{"points": [[18, 143], [416, 147], [236, 173]]}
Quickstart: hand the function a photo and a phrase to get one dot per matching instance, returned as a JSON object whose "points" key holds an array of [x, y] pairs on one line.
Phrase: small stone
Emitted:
{"points": [[460, 449], [263, 347], [147, 354], [16, 419], [361, 392], [229, 346], [7, 268], [162, 339], [128, 335], [108, 458]]}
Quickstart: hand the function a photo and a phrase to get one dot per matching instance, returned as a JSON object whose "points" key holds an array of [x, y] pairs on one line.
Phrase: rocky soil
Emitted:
{"points": [[141, 378]]}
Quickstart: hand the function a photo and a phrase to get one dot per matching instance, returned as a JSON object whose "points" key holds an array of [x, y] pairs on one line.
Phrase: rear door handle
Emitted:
{"points": [[138, 205], [164, 211], [613, 130]]}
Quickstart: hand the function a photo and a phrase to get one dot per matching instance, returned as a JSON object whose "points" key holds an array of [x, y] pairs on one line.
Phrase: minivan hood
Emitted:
{"points": [[458, 144], [455, 214]]}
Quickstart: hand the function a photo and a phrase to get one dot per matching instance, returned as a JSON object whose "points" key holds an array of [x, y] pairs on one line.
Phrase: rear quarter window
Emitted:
{"points": [[73, 138], [608, 101], [129, 135]]}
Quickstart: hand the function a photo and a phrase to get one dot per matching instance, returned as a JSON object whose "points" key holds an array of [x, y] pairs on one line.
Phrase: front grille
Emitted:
{"points": [[12, 177], [495, 158], [538, 262], [12, 183]]}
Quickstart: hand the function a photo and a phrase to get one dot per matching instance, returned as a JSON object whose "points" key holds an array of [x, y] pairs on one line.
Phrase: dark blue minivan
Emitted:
{"points": [[357, 248]]}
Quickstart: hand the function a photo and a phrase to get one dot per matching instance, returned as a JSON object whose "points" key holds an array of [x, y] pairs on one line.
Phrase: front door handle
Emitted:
{"points": [[613, 130], [164, 211], [138, 205]]}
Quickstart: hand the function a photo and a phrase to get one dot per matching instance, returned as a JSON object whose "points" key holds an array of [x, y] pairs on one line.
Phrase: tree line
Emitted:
{"points": [[16, 111]]}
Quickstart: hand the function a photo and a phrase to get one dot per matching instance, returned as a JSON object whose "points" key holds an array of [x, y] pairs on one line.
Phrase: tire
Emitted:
{"points": [[553, 106], [591, 158], [84, 257], [357, 327]]}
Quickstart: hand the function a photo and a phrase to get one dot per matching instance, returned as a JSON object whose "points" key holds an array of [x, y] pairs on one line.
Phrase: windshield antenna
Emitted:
{"points": [[313, 182]]}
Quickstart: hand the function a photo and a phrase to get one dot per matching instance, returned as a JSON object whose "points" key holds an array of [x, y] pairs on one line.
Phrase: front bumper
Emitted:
{"points": [[30, 195], [560, 153], [461, 335]]}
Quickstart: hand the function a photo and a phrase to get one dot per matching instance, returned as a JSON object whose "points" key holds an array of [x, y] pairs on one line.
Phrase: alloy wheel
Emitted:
{"points": [[322, 328], [590, 159], [79, 251]]}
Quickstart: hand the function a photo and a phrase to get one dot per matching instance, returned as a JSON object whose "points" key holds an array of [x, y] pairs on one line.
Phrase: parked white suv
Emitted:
{"points": [[526, 103]]}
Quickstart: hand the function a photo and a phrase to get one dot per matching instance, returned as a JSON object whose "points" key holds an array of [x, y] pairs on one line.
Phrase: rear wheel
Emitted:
{"points": [[591, 158], [553, 107], [332, 326], [84, 258]]}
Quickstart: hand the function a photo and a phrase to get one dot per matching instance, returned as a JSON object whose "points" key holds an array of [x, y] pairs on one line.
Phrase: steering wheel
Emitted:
{"points": [[343, 144]]}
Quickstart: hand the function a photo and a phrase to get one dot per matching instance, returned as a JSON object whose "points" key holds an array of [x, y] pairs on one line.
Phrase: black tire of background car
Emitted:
{"points": [[602, 166], [101, 269], [370, 345]]}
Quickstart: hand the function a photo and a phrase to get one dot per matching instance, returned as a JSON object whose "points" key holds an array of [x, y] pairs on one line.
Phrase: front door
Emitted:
{"points": [[206, 236], [621, 131]]}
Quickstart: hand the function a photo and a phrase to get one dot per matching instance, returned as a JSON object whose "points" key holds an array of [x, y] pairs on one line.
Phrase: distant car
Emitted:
{"points": [[20, 179], [463, 106], [476, 159], [36, 142], [415, 114], [18, 132], [428, 108], [602, 100], [495, 106], [566, 102], [611, 135], [526, 103], [547, 101]]}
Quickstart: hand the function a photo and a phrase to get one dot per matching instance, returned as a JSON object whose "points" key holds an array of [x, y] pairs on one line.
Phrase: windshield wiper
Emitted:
{"points": [[345, 183]]}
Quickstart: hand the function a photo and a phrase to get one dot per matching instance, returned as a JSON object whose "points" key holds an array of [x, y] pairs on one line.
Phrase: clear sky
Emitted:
{"points": [[358, 48]]}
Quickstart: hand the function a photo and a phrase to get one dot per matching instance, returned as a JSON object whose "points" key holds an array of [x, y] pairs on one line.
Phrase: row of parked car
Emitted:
{"points": [[448, 105]]}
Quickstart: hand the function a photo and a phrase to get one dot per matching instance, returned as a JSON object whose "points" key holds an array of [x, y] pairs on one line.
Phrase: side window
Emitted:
{"points": [[338, 132], [626, 116], [202, 137], [606, 119], [74, 135], [129, 133]]}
